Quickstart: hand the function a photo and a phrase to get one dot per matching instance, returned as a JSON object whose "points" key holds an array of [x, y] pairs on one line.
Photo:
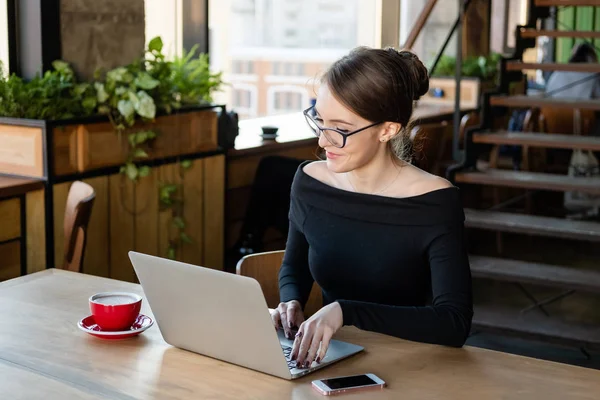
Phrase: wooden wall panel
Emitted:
{"points": [[193, 213], [122, 238], [168, 173], [146, 214], [10, 219], [36, 231], [10, 254], [59, 194], [214, 210], [96, 259]]}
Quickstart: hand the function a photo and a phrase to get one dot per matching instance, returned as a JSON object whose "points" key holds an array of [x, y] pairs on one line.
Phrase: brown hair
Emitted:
{"points": [[380, 85]]}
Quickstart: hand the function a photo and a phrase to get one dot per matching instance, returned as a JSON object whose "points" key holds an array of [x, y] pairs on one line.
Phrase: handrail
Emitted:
{"points": [[419, 24]]}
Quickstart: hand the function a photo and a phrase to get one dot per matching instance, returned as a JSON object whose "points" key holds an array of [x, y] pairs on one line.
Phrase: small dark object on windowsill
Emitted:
{"points": [[269, 132]]}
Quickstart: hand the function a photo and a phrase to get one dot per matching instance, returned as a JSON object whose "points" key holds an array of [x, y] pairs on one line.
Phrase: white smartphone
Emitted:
{"points": [[344, 384]]}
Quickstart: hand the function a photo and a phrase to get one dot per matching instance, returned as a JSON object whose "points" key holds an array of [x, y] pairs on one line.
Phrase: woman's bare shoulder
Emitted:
{"points": [[317, 170], [421, 182]]}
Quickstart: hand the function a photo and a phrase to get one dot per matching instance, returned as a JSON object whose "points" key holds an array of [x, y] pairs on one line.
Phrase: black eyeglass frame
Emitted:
{"points": [[345, 135]]}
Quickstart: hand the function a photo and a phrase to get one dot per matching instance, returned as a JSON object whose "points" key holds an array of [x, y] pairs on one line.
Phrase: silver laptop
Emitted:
{"points": [[221, 315]]}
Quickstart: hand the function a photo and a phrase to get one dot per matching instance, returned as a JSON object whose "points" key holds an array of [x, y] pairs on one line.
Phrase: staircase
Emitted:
{"points": [[533, 322]]}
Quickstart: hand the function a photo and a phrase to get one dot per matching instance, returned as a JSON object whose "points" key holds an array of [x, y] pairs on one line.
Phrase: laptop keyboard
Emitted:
{"points": [[287, 352]]}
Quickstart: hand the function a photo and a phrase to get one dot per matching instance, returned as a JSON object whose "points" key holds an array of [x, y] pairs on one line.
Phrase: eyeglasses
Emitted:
{"points": [[335, 136]]}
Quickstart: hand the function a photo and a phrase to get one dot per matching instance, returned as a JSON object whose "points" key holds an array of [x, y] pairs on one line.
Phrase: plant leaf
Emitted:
{"points": [[80, 88], [156, 44], [134, 100], [131, 171], [141, 137], [131, 138], [140, 153], [101, 94], [171, 253], [61, 66], [145, 81], [185, 238], [146, 107], [144, 171], [178, 222], [117, 75], [125, 108], [186, 164], [89, 103]]}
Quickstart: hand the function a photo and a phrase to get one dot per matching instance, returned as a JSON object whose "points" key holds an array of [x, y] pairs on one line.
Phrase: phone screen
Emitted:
{"points": [[349, 381]]}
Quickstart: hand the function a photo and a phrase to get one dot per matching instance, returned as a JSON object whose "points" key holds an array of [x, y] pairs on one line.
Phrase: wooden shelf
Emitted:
{"points": [[532, 225], [532, 325], [531, 180], [534, 33], [549, 3], [534, 273], [522, 101], [542, 140], [573, 67]]}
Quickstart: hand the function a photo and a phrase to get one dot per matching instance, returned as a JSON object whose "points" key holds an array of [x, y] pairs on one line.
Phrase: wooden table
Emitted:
{"points": [[44, 355], [16, 186]]}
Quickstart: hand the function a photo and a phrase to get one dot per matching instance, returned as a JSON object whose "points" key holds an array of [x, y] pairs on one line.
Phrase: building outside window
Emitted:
{"points": [[288, 45], [3, 37]]}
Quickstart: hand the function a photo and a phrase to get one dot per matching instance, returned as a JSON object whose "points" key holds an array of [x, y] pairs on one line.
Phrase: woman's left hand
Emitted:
{"points": [[316, 332]]}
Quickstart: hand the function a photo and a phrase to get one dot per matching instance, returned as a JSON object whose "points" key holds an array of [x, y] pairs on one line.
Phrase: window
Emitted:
{"points": [[242, 67], [435, 31], [3, 37], [242, 98], [282, 42], [288, 101]]}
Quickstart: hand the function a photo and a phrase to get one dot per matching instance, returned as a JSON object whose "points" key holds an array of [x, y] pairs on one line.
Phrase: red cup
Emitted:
{"points": [[115, 311]]}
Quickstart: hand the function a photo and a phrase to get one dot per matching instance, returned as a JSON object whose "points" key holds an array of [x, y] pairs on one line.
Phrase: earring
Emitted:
{"points": [[383, 139]]}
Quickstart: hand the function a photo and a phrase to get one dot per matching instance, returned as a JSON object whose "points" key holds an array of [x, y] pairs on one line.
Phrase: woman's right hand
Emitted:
{"points": [[287, 316]]}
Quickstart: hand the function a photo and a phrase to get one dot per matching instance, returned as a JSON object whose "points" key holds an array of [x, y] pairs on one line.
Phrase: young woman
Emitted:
{"points": [[377, 234]]}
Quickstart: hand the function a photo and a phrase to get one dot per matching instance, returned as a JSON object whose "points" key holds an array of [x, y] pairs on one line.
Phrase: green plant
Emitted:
{"points": [[55, 95], [126, 94], [171, 199], [485, 68]]}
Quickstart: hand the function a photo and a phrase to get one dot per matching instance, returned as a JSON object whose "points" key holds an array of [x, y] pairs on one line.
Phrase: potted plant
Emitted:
{"points": [[148, 113]]}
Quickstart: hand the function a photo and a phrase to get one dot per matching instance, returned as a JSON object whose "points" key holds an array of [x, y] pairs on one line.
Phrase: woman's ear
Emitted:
{"points": [[391, 129]]}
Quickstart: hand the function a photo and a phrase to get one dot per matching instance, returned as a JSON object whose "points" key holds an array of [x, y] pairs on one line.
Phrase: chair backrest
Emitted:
{"points": [[430, 142], [467, 121], [264, 267], [77, 216], [560, 120]]}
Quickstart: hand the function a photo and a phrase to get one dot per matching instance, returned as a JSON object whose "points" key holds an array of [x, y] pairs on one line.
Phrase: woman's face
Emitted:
{"points": [[360, 148]]}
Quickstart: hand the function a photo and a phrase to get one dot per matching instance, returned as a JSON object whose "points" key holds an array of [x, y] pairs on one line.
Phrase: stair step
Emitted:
{"points": [[531, 180], [573, 67], [523, 101], [532, 225], [534, 33], [533, 325], [535, 273], [550, 3], [542, 140]]}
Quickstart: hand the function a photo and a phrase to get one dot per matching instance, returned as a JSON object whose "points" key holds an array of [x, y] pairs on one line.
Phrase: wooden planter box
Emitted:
{"points": [[470, 91], [41, 149], [126, 216]]}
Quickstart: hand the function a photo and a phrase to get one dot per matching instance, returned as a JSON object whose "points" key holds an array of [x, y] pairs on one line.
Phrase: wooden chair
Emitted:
{"points": [[430, 142], [467, 121], [264, 267], [77, 216]]}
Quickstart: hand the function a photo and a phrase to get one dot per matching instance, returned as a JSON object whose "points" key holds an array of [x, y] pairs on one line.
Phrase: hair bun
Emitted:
{"points": [[420, 74]]}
